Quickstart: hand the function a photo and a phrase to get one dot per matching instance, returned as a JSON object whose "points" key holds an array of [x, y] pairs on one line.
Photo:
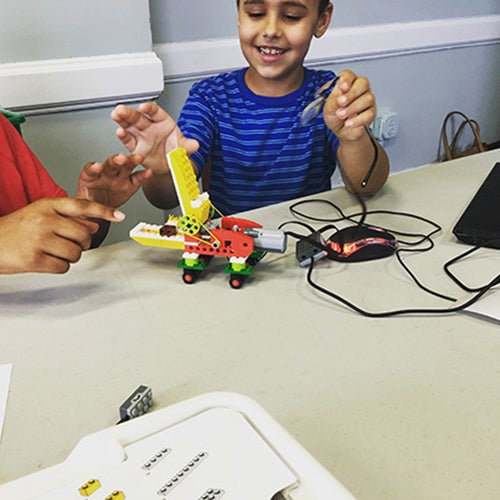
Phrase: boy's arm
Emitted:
{"points": [[50, 234], [151, 132], [356, 158], [348, 112], [160, 190]]}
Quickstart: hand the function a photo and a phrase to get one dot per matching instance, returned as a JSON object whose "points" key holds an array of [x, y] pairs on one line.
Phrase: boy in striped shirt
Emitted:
{"points": [[246, 125]]}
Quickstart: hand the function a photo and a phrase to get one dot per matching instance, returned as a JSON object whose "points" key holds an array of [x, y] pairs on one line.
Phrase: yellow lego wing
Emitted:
{"points": [[191, 201]]}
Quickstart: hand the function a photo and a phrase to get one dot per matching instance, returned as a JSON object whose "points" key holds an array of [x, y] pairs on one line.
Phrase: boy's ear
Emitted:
{"points": [[324, 21]]}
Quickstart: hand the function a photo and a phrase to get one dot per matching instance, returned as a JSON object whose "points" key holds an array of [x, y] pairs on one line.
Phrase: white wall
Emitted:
{"points": [[182, 20], [37, 30], [66, 55]]}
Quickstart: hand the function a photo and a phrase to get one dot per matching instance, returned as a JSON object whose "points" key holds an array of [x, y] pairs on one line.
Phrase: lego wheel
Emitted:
{"points": [[190, 276], [236, 281]]}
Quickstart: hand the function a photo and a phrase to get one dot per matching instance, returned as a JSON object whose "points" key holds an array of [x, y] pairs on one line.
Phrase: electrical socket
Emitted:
{"points": [[386, 125]]}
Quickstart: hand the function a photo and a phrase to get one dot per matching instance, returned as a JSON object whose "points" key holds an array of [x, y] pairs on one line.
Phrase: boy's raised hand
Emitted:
{"points": [[50, 234], [113, 182], [348, 112], [350, 107], [150, 132]]}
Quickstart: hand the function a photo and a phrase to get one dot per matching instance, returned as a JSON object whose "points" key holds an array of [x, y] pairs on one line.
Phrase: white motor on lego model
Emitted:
{"points": [[268, 240]]}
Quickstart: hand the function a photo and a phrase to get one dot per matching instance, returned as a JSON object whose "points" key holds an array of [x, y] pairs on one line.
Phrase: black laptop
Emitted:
{"points": [[479, 225]]}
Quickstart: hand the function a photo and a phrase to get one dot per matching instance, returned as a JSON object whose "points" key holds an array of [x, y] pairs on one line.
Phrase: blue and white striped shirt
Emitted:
{"points": [[260, 153]]}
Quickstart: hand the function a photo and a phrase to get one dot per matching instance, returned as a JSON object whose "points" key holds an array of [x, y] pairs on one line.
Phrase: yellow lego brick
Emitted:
{"points": [[191, 201], [116, 495], [151, 242], [91, 486], [149, 235]]}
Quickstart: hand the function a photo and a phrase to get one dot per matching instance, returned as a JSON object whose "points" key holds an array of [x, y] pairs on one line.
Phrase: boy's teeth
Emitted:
{"points": [[270, 51]]}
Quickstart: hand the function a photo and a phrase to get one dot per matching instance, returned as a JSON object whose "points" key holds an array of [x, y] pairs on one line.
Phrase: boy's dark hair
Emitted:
{"points": [[323, 4]]}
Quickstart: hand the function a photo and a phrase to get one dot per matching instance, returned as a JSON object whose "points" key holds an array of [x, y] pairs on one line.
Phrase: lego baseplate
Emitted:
{"points": [[215, 446]]}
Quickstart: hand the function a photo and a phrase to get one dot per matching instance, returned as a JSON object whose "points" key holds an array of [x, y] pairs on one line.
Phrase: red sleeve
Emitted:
{"points": [[23, 179]]}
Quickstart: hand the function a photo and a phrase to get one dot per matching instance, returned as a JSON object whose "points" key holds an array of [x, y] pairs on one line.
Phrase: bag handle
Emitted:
{"points": [[473, 125]]}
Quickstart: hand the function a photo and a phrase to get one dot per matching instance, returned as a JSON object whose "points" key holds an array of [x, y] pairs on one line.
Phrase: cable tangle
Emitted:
{"points": [[316, 244]]}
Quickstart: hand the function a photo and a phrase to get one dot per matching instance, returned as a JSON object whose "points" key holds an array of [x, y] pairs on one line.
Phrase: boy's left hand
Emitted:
{"points": [[113, 182], [350, 107]]}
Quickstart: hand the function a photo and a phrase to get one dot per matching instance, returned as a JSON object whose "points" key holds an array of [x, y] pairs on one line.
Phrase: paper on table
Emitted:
{"points": [[5, 371], [487, 306]]}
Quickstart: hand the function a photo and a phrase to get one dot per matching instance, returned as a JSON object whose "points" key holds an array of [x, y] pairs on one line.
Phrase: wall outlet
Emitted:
{"points": [[386, 125]]}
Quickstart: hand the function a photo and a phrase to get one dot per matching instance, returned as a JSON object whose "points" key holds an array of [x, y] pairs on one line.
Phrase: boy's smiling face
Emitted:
{"points": [[275, 36]]}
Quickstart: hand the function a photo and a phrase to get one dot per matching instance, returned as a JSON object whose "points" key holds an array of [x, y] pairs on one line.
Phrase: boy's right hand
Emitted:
{"points": [[50, 234], [151, 132]]}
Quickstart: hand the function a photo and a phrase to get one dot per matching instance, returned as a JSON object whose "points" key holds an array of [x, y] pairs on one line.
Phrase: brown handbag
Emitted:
{"points": [[451, 149]]}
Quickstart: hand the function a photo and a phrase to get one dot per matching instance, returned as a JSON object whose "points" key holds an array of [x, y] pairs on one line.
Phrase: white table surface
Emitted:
{"points": [[397, 408]]}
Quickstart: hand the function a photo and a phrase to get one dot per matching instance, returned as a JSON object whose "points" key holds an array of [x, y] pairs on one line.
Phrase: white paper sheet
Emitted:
{"points": [[487, 306], [5, 371]]}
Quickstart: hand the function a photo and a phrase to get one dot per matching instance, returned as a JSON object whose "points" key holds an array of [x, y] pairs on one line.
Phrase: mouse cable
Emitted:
{"points": [[424, 237], [413, 275], [415, 311], [298, 223], [426, 311], [313, 241], [399, 312], [352, 218], [294, 210], [324, 250], [298, 214], [462, 285]]}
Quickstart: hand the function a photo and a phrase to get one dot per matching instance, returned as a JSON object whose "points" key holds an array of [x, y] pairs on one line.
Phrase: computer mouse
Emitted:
{"points": [[361, 243]]}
